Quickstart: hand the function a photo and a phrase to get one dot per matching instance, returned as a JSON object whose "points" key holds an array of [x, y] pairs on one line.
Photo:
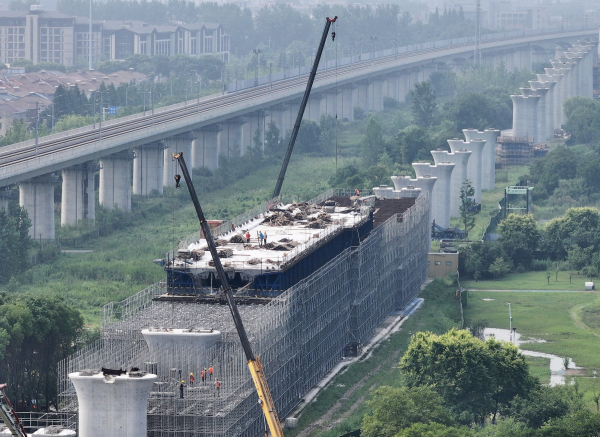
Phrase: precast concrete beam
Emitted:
{"points": [[36, 195], [78, 200], [148, 165], [176, 144], [458, 177], [115, 181], [205, 152], [441, 189]]}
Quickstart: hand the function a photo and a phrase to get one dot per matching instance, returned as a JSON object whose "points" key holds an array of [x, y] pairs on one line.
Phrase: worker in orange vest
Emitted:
{"points": [[210, 372], [204, 376], [191, 379], [218, 385]]}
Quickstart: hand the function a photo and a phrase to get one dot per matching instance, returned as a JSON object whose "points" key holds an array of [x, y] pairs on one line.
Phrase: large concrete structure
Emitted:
{"points": [[37, 197], [441, 189], [115, 181], [488, 157], [148, 168], [78, 194], [112, 406], [160, 340], [459, 158]]}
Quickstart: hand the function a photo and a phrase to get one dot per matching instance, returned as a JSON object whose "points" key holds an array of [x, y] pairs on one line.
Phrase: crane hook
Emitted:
{"points": [[177, 180], [332, 36]]}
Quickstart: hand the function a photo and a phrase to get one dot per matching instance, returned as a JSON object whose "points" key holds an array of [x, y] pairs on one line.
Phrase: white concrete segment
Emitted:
{"points": [[148, 164], [115, 181], [460, 159], [475, 165], [441, 189], [112, 406]]}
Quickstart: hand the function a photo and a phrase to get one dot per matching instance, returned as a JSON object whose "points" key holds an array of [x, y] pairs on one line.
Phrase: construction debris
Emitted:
{"points": [[225, 253], [237, 239]]}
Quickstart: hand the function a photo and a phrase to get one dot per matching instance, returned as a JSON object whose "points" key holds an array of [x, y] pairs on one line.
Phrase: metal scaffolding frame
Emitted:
{"points": [[299, 335]]}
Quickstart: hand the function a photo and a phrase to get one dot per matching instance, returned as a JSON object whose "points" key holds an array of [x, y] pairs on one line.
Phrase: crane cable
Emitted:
{"points": [[333, 34]]}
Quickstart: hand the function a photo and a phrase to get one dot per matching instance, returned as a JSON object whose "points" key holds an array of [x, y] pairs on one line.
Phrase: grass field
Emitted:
{"points": [[569, 324], [531, 281]]}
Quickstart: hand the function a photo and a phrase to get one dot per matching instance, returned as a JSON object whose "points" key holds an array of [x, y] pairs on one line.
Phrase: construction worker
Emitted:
{"points": [[210, 372], [204, 376], [218, 386], [260, 238], [357, 192], [191, 379], [265, 237], [247, 237], [181, 389]]}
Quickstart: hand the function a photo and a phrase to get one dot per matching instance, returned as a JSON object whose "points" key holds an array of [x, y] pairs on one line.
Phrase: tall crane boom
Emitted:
{"points": [[9, 416], [256, 368], [311, 79]]}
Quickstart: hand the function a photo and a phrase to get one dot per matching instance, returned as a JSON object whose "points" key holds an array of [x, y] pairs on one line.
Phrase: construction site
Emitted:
{"points": [[300, 332]]}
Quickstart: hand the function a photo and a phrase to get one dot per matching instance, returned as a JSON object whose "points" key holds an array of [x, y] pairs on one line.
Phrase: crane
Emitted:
{"points": [[9, 416], [256, 369]]}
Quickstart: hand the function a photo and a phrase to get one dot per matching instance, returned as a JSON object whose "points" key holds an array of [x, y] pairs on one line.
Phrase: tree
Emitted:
{"points": [[467, 212], [520, 238], [545, 403], [18, 132], [15, 241], [499, 268], [372, 143], [583, 423], [411, 143], [272, 140], [476, 378], [579, 226], [476, 110], [422, 103], [396, 408], [435, 430]]}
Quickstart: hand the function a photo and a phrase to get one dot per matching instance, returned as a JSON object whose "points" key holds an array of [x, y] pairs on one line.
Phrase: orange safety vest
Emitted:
{"points": [[203, 374], [191, 378], [210, 370], [218, 384]]}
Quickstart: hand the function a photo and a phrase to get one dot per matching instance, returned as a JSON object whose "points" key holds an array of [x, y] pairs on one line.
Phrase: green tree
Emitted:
{"points": [[395, 408], [467, 212], [520, 238], [579, 226], [477, 379], [582, 423], [411, 143], [499, 268], [422, 103], [15, 241], [435, 430], [373, 144], [476, 110], [545, 403], [272, 140], [16, 133]]}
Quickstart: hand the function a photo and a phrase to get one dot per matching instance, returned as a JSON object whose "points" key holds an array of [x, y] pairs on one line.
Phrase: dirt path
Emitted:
{"points": [[575, 315]]}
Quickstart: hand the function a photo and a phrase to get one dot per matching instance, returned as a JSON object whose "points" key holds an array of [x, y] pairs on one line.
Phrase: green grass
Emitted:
{"points": [[556, 318], [439, 313], [531, 281], [540, 368]]}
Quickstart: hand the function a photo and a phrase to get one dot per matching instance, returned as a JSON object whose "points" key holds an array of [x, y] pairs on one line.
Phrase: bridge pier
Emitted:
{"points": [[345, 103], [329, 102], [459, 158], [205, 152], [475, 165], [78, 200], [148, 168], [541, 111], [36, 195], [175, 144], [440, 205], [376, 94], [256, 123], [362, 91], [313, 107], [277, 117], [231, 137], [5, 197], [115, 181]]}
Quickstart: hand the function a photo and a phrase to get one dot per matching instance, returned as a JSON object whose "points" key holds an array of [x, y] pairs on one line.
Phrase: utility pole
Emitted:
{"points": [[90, 66], [101, 113], [256, 52]]}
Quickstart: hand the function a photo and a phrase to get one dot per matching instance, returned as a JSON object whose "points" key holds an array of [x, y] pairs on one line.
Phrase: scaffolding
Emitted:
{"points": [[299, 335], [515, 150]]}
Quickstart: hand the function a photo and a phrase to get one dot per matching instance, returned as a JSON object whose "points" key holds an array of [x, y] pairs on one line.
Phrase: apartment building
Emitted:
{"points": [[49, 36]]}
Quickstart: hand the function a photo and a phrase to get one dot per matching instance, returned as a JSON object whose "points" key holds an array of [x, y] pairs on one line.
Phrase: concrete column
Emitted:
{"points": [[474, 167], [36, 195], [519, 108], [5, 197], [206, 150], [277, 116], [459, 174], [148, 164], [363, 95], [377, 95], [175, 144], [78, 200], [557, 100], [403, 87], [330, 100], [346, 103], [115, 181], [441, 189], [313, 107], [425, 183], [390, 88], [489, 158], [231, 137]]}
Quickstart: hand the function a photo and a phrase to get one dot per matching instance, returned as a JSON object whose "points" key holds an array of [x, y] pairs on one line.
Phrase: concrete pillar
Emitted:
{"points": [[489, 158], [115, 181], [294, 109], [148, 164], [403, 87], [175, 144], [377, 94], [557, 99], [78, 200], [441, 189], [5, 197], [363, 95], [231, 137], [474, 167], [460, 159], [277, 116], [346, 103], [330, 108], [206, 147], [425, 183], [36, 195], [519, 127], [313, 107]]}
